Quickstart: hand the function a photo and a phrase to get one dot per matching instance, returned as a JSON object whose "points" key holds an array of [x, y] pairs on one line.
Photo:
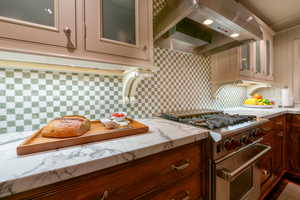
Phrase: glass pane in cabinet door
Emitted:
{"points": [[246, 57], [118, 20], [33, 11], [268, 57], [257, 56]]}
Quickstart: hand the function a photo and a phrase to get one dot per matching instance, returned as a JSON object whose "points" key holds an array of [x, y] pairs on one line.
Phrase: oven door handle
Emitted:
{"points": [[227, 175]]}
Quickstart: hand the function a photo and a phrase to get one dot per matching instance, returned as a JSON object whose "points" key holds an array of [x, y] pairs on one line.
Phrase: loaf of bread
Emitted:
{"points": [[68, 126]]}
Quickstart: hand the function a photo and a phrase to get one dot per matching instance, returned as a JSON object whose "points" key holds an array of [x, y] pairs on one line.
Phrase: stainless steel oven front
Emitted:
{"points": [[236, 176]]}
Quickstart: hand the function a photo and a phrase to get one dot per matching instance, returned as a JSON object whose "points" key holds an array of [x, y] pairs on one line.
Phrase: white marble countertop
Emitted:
{"points": [[22, 173], [267, 113]]}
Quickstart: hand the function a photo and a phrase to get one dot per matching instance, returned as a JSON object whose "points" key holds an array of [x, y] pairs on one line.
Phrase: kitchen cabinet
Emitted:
{"points": [[177, 173], [246, 64], [251, 62], [117, 32], [265, 165], [293, 144], [263, 51], [278, 144], [118, 27], [272, 164], [187, 189], [49, 22]]}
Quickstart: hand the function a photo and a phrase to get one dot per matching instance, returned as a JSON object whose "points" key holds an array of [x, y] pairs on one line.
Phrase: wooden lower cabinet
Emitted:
{"points": [[271, 164], [172, 173], [293, 144], [187, 189], [265, 165]]}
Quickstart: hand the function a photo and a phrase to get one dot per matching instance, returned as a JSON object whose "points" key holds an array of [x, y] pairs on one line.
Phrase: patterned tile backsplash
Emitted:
{"points": [[29, 99]]}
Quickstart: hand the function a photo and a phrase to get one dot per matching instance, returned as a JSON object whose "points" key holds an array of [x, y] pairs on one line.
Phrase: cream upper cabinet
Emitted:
{"points": [[251, 62], [263, 52], [246, 63], [50, 22], [119, 32], [119, 27]]}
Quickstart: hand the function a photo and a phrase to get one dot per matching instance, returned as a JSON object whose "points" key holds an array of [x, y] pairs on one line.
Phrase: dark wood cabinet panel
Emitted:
{"points": [[189, 188], [278, 144], [265, 165], [293, 143], [272, 164], [132, 180]]}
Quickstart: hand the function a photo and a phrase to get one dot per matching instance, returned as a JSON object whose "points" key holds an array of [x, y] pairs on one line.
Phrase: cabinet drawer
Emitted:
{"points": [[294, 120], [279, 123], [267, 127], [129, 180], [187, 189]]}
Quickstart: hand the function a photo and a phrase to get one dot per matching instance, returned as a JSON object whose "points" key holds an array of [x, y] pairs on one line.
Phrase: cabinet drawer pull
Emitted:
{"points": [[280, 133], [279, 123], [265, 172], [104, 196], [186, 196], [67, 30], [183, 166], [267, 129], [145, 48]]}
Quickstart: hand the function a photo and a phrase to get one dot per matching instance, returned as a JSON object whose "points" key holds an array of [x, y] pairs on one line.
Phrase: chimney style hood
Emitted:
{"points": [[206, 26]]}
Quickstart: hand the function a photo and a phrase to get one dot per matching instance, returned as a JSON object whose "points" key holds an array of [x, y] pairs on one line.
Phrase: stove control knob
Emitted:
{"points": [[228, 145], [236, 144], [246, 140], [259, 133], [219, 148]]}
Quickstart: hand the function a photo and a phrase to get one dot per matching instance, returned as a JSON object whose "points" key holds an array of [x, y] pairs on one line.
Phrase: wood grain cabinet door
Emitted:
{"points": [[187, 189], [293, 143], [266, 162], [121, 28], [50, 22]]}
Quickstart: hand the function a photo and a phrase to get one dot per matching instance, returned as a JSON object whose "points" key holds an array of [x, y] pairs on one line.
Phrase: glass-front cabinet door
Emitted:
{"points": [[40, 21], [118, 27], [246, 63], [259, 60], [268, 51], [263, 52]]}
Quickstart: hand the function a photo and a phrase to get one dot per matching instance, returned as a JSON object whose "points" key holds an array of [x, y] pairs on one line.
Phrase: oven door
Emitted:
{"points": [[237, 177]]}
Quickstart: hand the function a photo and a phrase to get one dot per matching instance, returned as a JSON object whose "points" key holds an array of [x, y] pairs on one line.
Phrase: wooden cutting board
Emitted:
{"points": [[98, 132]]}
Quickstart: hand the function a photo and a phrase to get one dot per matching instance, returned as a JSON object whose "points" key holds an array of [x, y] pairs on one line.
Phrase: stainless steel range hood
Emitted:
{"points": [[176, 24]]}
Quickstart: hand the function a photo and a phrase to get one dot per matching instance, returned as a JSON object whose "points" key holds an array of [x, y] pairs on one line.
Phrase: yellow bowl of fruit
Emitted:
{"points": [[257, 101]]}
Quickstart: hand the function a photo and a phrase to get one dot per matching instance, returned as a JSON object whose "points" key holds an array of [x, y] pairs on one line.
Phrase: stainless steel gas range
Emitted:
{"points": [[234, 151]]}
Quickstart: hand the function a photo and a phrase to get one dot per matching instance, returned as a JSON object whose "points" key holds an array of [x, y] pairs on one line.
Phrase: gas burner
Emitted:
{"points": [[210, 120]]}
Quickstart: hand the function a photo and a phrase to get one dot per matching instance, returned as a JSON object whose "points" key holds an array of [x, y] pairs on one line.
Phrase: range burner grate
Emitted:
{"points": [[211, 120]]}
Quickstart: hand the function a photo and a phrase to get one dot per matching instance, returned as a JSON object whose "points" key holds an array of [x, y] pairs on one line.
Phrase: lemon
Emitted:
{"points": [[251, 101]]}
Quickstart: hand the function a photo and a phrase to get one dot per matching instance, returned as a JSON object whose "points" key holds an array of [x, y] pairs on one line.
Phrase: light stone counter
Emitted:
{"points": [[266, 113], [22, 173]]}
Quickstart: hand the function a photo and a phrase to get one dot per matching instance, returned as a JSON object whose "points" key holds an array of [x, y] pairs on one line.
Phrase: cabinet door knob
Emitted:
{"points": [[183, 166], [265, 172], [267, 129], [104, 196], [145, 48], [280, 133], [67, 30]]}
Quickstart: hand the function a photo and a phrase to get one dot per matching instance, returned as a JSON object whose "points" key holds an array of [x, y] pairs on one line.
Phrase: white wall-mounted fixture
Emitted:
{"points": [[253, 86], [131, 80]]}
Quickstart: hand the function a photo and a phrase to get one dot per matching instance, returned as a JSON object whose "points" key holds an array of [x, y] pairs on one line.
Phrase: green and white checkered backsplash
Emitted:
{"points": [[30, 99]]}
